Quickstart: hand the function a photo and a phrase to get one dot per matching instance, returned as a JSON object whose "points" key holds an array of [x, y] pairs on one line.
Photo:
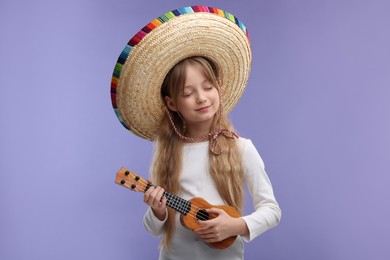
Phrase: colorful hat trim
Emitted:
{"points": [[147, 29]]}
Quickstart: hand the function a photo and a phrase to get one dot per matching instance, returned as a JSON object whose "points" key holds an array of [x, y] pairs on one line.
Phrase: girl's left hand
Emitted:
{"points": [[221, 227]]}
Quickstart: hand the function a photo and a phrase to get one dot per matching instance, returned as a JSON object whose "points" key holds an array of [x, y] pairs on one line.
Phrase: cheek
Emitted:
{"points": [[216, 96], [183, 104], [217, 102]]}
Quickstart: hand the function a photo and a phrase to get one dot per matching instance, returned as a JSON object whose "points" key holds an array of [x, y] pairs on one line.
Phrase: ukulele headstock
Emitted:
{"points": [[130, 180]]}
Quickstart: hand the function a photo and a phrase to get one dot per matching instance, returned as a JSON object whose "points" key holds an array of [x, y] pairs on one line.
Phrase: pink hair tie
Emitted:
{"points": [[214, 141]]}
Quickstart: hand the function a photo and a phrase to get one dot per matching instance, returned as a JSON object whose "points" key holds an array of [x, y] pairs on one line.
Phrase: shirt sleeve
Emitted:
{"points": [[152, 224], [267, 213]]}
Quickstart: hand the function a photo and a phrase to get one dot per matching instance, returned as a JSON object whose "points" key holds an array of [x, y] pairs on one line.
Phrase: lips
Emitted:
{"points": [[202, 108]]}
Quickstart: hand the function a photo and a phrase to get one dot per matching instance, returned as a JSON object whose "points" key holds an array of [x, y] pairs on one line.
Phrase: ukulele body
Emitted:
{"points": [[197, 211]]}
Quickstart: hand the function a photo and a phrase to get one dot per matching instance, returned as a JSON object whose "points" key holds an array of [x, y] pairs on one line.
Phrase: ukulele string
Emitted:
{"points": [[202, 215]]}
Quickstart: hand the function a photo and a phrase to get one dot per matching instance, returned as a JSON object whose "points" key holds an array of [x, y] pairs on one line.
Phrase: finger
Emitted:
{"points": [[206, 223], [153, 200], [152, 196], [203, 233], [160, 193], [147, 194], [215, 211], [203, 223], [163, 202], [159, 197], [207, 236], [211, 240]]}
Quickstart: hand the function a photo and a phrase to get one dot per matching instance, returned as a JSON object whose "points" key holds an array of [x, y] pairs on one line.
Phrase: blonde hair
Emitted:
{"points": [[225, 169]]}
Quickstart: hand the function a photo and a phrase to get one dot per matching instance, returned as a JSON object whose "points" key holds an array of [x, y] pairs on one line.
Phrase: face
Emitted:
{"points": [[198, 101]]}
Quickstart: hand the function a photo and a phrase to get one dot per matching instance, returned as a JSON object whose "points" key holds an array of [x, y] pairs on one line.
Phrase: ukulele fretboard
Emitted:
{"points": [[181, 205]]}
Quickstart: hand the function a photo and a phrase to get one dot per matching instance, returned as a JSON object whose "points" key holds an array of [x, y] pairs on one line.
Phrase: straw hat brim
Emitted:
{"points": [[137, 94]]}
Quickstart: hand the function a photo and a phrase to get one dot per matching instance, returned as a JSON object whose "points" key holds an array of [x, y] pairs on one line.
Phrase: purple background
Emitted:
{"points": [[316, 107]]}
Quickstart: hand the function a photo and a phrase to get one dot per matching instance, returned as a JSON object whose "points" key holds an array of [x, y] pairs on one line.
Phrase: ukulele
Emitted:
{"points": [[190, 210]]}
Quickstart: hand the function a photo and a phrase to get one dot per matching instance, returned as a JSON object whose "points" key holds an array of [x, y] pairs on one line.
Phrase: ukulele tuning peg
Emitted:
{"points": [[133, 186], [127, 173], [137, 178], [123, 182]]}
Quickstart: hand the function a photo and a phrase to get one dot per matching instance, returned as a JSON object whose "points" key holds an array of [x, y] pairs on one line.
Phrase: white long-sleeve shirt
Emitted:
{"points": [[196, 181]]}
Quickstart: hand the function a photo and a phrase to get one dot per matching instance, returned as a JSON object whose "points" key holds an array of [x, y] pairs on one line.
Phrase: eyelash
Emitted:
{"points": [[205, 88]]}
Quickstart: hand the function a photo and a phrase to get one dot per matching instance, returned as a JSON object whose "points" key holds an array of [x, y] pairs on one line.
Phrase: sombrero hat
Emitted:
{"points": [[150, 54]]}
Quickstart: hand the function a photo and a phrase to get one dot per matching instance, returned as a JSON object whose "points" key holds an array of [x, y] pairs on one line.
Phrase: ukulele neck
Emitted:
{"points": [[175, 202]]}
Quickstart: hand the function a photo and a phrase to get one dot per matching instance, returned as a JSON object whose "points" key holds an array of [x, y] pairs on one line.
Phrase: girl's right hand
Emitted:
{"points": [[154, 198]]}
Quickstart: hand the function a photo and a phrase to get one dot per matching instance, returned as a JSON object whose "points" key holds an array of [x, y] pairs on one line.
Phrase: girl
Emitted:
{"points": [[186, 163], [174, 83]]}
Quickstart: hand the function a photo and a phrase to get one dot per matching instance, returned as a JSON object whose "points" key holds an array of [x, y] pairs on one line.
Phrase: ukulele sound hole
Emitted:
{"points": [[202, 215]]}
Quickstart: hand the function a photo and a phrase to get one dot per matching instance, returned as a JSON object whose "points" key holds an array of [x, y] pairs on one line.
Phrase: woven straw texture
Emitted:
{"points": [[136, 97]]}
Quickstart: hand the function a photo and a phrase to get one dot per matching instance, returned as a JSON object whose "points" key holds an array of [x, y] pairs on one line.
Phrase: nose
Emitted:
{"points": [[200, 99]]}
